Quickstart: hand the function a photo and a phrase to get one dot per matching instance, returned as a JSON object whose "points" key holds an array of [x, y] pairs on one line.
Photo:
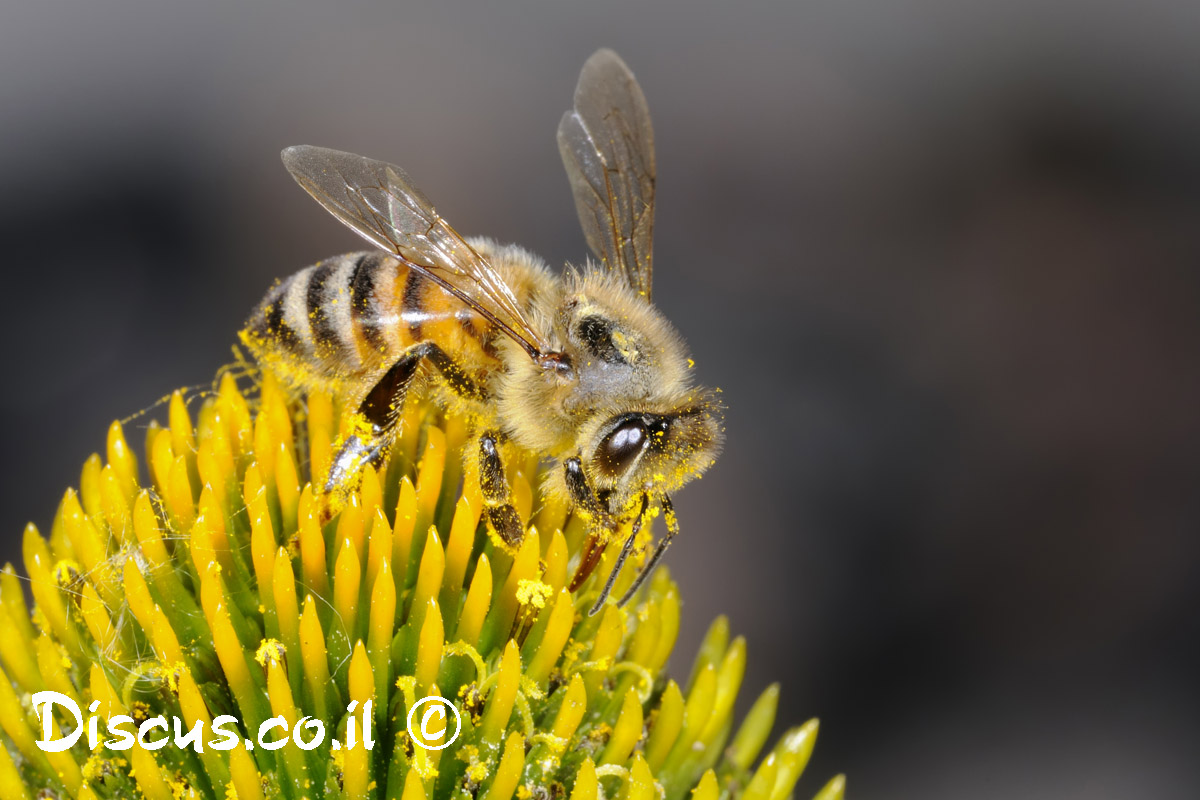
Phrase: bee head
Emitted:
{"points": [[622, 400], [641, 424]]}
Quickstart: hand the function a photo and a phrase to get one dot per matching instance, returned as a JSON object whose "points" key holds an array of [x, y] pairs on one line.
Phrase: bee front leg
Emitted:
{"points": [[648, 570], [624, 554], [498, 507], [582, 494]]}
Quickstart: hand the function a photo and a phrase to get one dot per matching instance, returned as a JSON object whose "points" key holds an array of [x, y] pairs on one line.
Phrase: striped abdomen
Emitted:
{"points": [[348, 317]]}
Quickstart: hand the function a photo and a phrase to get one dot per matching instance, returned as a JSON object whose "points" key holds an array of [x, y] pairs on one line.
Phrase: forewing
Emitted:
{"points": [[607, 146], [380, 203]]}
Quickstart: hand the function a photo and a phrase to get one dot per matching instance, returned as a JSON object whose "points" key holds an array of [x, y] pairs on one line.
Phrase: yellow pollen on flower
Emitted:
{"points": [[208, 580], [477, 772], [271, 651], [533, 592]]}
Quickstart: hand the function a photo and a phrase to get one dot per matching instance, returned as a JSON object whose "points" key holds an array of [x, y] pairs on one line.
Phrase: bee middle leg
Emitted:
{"points": [[498, 507]]}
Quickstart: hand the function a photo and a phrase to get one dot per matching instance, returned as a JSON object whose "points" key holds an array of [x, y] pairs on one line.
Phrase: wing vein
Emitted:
{"points": [[380, 203]]}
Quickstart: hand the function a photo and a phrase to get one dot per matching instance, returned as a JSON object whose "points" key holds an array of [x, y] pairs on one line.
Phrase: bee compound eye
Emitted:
{"points": [[621, 447]]}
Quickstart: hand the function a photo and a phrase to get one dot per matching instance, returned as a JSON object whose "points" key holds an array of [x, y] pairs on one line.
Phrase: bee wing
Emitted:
{"points": [[381, 204], [607, 146]]}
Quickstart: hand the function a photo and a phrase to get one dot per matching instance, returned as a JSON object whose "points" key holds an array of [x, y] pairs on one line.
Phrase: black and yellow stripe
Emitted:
{"points": [[349, 317]]}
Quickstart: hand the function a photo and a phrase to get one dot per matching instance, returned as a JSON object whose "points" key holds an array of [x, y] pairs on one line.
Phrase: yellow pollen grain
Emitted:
{"points": [[533, 592], [271, 651]]}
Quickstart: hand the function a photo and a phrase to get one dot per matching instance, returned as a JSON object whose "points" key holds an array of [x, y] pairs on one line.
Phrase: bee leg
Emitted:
{"points": [[454, 375], [593, 549], [582, 495], [371, 432], [585, 500], [648, 570], [498, 509], [624, 554], [373, 427]]}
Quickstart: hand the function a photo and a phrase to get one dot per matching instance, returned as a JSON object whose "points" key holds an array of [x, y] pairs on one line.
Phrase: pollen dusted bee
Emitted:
{"points": [[580, 368]]}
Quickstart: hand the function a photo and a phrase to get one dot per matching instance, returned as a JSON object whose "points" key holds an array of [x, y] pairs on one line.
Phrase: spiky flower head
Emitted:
{"points": [[204, 590]]}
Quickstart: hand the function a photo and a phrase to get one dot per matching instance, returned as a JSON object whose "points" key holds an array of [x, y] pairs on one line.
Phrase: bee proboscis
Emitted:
{"points": [[580, 368]]}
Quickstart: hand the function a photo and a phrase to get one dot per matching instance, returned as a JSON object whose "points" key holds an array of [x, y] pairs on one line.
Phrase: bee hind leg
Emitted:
{"points": [[373, 428], [498, 507], [372, 431]]}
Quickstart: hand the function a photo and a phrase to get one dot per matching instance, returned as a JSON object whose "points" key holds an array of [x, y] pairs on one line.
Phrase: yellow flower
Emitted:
{"points": [[204, 588]]}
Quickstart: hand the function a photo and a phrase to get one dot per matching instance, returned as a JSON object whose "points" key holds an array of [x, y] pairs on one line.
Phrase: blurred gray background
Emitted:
{"points": [[942, 258]]}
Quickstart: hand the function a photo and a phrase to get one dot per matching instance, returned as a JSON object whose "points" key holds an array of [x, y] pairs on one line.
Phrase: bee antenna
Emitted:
{"points": [[559, 362]]}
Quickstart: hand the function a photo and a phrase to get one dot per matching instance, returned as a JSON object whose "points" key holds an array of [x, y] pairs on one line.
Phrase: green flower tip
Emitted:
{"points": [[205, 586]]}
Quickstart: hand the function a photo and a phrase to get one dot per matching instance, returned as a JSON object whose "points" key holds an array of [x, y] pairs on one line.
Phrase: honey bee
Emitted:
{"points": [[580, 368]]}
